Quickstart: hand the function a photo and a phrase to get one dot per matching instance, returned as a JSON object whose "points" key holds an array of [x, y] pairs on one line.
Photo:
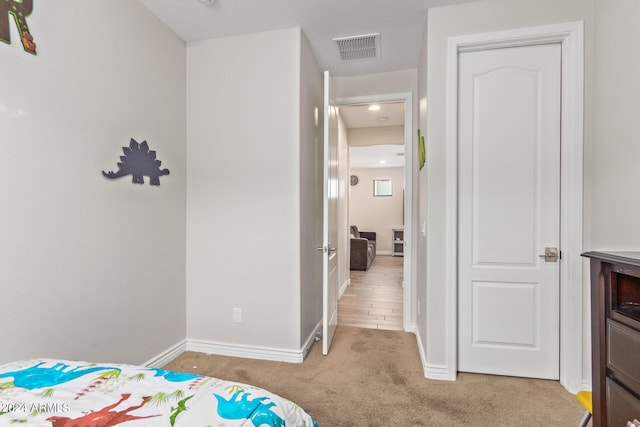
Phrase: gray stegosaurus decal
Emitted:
{"points": [[138, 161]]}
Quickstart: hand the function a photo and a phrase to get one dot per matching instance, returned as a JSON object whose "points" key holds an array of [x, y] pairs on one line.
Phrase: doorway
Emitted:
{"points": [[375, 140], [405, 220]]}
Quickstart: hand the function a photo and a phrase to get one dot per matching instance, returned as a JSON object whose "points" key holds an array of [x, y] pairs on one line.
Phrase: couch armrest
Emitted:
{"points": [[369, 235], [359, 244], [360, 257]]}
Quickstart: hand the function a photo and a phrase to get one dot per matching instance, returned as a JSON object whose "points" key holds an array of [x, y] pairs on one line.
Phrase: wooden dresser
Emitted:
{"points": [[615, 337]]}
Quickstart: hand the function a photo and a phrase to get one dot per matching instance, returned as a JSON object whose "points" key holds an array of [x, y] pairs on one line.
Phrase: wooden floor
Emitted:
{"points": [[374, 299]]}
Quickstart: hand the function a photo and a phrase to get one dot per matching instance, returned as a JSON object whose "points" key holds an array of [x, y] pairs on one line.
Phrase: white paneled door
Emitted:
{"points": [[330, 219], [509, 211]]}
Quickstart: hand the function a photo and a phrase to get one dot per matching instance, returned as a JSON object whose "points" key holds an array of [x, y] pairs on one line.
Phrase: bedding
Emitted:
{"points": [[64, 393]]}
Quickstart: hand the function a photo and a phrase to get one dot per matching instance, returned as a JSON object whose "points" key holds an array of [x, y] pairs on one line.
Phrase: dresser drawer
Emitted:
{"points": [[622, 406], [623, 353]]}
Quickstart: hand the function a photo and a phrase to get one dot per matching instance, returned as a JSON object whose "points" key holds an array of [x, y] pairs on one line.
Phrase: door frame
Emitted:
{"points": [[410, 182], [571, 38]]}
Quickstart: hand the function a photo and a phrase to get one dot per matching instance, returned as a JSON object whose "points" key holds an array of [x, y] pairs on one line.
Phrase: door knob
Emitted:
{"points": [[326, 249], [550, 254]]}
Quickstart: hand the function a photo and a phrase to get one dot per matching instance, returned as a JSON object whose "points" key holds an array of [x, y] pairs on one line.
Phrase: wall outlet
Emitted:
{"points": [[237, 315]]}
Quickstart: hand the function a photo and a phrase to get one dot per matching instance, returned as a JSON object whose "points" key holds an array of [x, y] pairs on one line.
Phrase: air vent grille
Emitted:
{"points": [[359, 47]]}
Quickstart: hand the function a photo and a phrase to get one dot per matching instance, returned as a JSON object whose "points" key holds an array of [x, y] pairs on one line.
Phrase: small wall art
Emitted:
{"points": [[422, 152], [138, 161], [20, 9]]}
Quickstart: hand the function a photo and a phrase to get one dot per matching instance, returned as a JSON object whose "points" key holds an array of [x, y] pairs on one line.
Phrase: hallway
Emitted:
{"points": [[374, 299]]}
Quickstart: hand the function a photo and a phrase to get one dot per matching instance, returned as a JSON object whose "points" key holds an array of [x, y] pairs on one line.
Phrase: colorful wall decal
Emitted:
{"points": [[138, 161], [20, 9], [422, 152]]}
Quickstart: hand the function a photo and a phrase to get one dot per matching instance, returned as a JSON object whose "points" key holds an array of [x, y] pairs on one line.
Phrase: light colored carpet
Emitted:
{"points": [[375, 378]]}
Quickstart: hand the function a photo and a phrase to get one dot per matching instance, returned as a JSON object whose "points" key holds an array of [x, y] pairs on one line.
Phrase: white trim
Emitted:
{"points": [[410, 182], [313, 337], [431, 371], [235, 350], [247, 352], [255, 352], [167, 356], [423, 356], [571, 37], [344, 287], [438, 372]]}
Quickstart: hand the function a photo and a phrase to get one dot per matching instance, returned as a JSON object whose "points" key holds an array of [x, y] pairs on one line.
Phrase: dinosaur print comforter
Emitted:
{"points": [[63, 393]]}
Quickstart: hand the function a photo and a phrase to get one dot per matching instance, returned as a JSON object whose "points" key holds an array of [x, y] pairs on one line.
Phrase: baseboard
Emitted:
{"points": [[438, 372], [423, 356], [344, 287], [167, 356], [317, 332], [412, 329], [431, 371], [586, 385], [248, 352]]}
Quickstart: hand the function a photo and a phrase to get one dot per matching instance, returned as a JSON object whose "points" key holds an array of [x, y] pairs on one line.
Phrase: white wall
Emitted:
{"points": [[376, 135], [421, 189], [91, 268], [442, 23], [379, 214], [344, 244], [613, 171], [376, 84], [244, 187]]}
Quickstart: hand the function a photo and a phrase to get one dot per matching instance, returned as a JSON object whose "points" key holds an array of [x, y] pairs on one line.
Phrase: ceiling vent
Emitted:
{"points": [[359, 47]]}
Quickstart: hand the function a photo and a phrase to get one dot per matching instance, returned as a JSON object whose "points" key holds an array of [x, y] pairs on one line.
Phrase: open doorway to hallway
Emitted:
{"points": [[376, 140], [374, 298]]}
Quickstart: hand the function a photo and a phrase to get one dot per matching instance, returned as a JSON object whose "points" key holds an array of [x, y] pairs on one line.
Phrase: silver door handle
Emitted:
{"points": [[326, 249], [550, 255]]}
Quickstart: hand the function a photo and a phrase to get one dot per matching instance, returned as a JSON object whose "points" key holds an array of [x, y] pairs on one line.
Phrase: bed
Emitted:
{"points": [[64, 393]]}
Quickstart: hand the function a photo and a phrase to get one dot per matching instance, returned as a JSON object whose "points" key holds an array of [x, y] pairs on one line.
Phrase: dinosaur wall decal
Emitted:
{"points": [[138, 161], [20, 9]]}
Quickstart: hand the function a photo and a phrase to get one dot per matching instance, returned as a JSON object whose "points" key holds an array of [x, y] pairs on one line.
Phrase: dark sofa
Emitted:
{"points": [[363, 248]]}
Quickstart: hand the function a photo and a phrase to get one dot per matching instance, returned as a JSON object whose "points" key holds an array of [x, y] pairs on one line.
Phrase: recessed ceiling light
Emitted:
{"points": [[383, 119], [374, 107]]}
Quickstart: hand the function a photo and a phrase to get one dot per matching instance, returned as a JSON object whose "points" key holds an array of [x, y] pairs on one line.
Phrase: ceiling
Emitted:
{"points": [[399, 22], [359, 116], [374, 156]]}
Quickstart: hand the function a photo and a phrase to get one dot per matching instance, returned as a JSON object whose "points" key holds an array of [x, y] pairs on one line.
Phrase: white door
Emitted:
{"points": [[509, 211], [330, 219]]}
